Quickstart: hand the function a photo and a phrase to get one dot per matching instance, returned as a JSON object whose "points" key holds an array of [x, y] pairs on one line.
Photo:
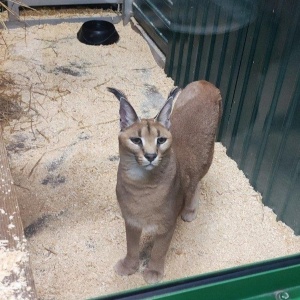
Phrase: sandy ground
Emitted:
{"points": [[64, 155], [11, 262]]}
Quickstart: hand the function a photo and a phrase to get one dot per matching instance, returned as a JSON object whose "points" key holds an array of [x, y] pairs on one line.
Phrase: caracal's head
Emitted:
{"points": [[144, 141]]}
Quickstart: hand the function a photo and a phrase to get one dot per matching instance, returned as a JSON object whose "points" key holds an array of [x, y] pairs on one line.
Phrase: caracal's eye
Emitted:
{"points": [[161, 140], [137, 141]]}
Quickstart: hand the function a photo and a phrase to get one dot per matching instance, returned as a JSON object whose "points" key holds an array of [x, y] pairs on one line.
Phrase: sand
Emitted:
{"points": [[63, 153], [11, 261]]}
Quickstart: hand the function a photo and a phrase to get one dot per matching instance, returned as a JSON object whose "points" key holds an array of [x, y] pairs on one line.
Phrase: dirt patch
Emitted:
{"points": [[64, 158]]}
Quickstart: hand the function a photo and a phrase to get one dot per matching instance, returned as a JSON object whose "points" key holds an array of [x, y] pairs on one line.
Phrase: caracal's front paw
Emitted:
{"points": [[152, 276], [189, 215], [125, 267]]}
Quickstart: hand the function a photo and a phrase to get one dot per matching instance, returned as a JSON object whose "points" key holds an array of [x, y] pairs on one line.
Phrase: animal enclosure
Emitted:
{"points": [[63, 153]]}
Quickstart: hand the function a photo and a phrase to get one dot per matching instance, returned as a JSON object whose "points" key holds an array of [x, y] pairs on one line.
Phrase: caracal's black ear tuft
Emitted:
{"points": [[119, 94], [127, 113], [174, 92], [163, 116]]}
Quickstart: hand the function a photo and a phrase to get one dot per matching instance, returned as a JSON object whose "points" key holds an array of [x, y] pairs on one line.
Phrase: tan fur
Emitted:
{"points": [[194, 122], [151, 195]]}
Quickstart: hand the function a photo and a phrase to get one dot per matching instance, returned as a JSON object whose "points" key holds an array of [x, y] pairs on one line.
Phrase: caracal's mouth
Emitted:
{"points": [[150, 167]]}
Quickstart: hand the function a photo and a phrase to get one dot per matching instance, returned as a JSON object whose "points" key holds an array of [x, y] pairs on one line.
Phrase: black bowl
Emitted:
{"points": [[98, 32]]}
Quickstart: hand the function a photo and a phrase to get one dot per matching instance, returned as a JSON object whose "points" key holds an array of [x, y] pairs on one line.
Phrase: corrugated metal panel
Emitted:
{"points": [[263, 132], [208, 42], [154, 17], [205, 35], [251, 51]]}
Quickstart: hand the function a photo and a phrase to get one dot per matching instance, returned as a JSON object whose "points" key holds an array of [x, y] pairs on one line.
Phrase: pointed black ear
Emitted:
{"points": [[127, 113], [163, 116]]}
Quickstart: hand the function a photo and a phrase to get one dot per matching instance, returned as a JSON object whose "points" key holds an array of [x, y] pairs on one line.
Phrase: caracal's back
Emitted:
{"points": [[194, 123]]}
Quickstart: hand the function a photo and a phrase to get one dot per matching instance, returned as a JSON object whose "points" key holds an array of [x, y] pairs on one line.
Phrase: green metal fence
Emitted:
{"points": [[250, 49], [154, 16], [271, 280]]}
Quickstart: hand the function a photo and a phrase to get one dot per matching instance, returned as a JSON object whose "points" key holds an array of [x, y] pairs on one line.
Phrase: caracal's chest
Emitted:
{"points": [[146, 203]]}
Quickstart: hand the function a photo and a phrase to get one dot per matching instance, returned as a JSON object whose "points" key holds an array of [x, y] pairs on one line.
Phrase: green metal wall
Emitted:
{"points": [[154, 16], [262, 132], [250, 49]]}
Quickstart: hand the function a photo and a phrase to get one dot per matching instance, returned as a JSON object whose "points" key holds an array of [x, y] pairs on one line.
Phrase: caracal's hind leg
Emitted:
{"points": [[192, 199]]}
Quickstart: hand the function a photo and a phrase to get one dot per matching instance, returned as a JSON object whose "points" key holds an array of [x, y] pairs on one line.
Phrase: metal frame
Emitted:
{"points": [[13, 18], [268, 280], [32, 3]]}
